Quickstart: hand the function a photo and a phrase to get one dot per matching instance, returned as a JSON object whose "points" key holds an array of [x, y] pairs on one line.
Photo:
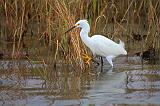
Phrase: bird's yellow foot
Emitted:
{"points": [[87, 58]]}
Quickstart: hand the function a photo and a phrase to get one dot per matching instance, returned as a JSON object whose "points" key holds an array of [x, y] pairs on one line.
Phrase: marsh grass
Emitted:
{"points": [[36, 28]]}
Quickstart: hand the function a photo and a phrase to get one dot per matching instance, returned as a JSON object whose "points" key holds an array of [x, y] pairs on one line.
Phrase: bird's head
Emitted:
{"points": [[80, 24]]}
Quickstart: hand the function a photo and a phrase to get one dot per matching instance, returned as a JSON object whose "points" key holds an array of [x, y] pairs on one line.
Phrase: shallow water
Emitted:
{"points": [[127, 84]]}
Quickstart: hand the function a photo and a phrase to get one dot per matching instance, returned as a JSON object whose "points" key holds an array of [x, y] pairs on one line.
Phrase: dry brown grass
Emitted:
{"points": [[39, 26]]}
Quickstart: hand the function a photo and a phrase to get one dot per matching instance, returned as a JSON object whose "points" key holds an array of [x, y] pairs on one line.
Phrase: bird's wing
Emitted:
{"points": [[104, 46]]}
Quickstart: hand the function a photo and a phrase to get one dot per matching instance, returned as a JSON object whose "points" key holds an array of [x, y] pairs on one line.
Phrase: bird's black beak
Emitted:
{"points": [[71, 28]]}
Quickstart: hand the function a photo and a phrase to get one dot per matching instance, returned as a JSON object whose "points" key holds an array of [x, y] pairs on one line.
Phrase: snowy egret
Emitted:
{"points": [[98, 44]]}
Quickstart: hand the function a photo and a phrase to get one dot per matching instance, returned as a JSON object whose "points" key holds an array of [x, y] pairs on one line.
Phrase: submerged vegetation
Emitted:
{"points": [[34, 29]]}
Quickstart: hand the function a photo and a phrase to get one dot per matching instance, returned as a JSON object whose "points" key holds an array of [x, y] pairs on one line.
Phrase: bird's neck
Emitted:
{"points": [[84, 36]]}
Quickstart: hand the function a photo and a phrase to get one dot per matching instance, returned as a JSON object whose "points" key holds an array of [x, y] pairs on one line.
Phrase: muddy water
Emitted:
{"points": [[33, 84]]}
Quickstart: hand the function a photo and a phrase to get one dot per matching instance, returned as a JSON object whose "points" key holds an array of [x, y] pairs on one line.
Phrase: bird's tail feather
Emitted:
{"points": [[121, 43]]}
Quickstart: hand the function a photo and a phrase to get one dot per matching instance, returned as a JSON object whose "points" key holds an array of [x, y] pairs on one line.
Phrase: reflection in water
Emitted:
{"points": [[125, 84]]}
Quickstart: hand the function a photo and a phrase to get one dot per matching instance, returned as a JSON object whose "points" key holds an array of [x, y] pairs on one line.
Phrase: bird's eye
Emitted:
{"points": [[77, 24]]}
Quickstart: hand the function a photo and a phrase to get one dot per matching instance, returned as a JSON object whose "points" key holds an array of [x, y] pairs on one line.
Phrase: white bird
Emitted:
{"points": [[98, 44]]}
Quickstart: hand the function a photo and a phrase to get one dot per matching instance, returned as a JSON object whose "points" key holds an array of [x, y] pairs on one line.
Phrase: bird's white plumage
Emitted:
{"points": [[104, 47], [99, 44]]}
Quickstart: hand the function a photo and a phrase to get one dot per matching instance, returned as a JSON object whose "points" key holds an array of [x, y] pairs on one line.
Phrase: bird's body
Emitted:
{"points": [[100, 45]]}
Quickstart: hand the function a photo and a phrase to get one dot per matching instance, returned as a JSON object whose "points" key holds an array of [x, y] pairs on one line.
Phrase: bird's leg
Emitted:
{"points": [[87, 58], [94, 59], [101, 60], [109, 59]]}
